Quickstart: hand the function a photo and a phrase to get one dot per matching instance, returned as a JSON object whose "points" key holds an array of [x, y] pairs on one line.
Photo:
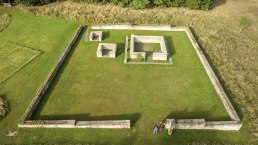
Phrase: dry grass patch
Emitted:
{"points": [[5, 19]]}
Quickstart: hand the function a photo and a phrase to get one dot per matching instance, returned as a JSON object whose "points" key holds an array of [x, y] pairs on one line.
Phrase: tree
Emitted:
{"points": [[140, 4]]}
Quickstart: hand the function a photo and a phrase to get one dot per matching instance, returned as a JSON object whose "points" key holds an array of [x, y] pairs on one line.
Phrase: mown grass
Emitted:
{"points": [[13, 57], [5, 19], [86, 88], [232, 54], [47, 35]]}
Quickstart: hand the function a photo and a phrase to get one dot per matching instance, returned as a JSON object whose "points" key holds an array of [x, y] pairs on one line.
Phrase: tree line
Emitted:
{"points": [[139, 4]]}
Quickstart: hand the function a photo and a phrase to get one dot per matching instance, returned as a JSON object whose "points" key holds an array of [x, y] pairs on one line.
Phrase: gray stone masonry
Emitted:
{"points": [[106, 50], [96, 36]]}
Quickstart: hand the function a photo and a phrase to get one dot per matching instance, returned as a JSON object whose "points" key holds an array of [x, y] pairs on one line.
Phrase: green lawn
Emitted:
{"points": [[91, 88], [13, 58]]}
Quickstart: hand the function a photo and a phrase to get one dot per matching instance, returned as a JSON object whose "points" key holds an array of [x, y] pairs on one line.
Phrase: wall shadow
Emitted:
{"points": [[217, 3], [106, 34], [60, 71], [87, 117], [195, 114], [120, 49], [219, 76], [170, 45]]}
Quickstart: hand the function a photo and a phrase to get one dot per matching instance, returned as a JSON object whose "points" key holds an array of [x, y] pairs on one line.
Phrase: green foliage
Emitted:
{"points": [[139, 58], [244, 23], [198, 4], [137, 4], [35, 2], [140, 4]]}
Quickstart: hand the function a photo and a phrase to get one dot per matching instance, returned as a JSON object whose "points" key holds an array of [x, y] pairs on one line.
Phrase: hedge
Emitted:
{"points": [[139, 4]]}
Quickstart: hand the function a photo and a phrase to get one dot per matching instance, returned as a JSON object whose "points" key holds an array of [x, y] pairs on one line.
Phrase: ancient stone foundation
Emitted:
{"points": [[96, 36], [106, 50], [162, 55]]}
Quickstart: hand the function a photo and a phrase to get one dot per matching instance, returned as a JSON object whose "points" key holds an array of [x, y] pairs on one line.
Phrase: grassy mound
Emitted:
{"points": [[5, 20]]}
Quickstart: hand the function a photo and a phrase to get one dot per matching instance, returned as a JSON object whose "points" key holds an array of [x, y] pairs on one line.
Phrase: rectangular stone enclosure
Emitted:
{"points": [[96, 36], [161, 55], [106, 50]]}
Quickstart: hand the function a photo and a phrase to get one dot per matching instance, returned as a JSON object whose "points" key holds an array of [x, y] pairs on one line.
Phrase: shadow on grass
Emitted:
{"points": [[120, 49], [106, 34], [219, 76], [86, 117], [217, 3], [170, 45], [195, 114], [58, 76]]}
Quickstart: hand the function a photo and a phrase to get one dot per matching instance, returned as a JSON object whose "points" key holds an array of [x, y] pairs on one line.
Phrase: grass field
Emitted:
{"points": [[13, 57], [87, 89], [232, 54]]}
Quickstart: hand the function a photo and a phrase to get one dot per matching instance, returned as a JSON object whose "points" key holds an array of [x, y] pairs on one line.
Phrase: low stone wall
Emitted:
{"points": [[203, 125], [159, 56], [40, 93], [138, 27], [126, 49], [163, 55], [104, 124], [74, 124]]}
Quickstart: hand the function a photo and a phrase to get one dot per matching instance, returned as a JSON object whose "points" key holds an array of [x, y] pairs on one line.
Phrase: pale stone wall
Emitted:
{"points": [[202, 124], [159, 56], [96, 33], [104, 124], [126, 48], [74, 124], [133, 54], [109, 46], [149, 39]]}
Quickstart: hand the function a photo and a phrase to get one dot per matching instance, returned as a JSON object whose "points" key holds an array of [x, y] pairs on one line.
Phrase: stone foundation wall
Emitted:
{"points": [[74, 124], [203, 125]]}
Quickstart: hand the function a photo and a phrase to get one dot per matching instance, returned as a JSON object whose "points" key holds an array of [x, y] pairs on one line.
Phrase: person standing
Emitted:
{"points": [[155, 129]]}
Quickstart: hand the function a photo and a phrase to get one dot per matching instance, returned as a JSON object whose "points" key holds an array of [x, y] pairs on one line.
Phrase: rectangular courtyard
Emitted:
{"points": [[92, 88]]}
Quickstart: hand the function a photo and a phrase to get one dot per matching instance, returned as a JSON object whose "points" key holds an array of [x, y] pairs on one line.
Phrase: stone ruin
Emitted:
{"points": [[162, 55], [106, 50], [96, 36]]}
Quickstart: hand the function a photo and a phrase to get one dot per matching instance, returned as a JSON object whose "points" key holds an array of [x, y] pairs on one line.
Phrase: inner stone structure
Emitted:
{"points": [[96, 36], [162, 54], [106, 50]]}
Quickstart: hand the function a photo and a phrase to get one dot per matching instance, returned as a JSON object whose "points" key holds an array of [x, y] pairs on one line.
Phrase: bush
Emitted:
{"points": [[5, 20], [198, 4], [3, 108], [139, 58], [35, 2], [140, 4]]}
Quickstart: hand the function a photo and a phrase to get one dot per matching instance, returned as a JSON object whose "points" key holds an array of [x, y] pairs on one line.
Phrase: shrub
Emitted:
{"points": [[139, 58], [244, 23], [198, 4], [5, 19], [140, 4], [3, 108], [35, 2]]}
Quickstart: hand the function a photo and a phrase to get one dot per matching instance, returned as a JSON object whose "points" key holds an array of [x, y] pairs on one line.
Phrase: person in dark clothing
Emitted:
{"points": [[155, 129]]}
